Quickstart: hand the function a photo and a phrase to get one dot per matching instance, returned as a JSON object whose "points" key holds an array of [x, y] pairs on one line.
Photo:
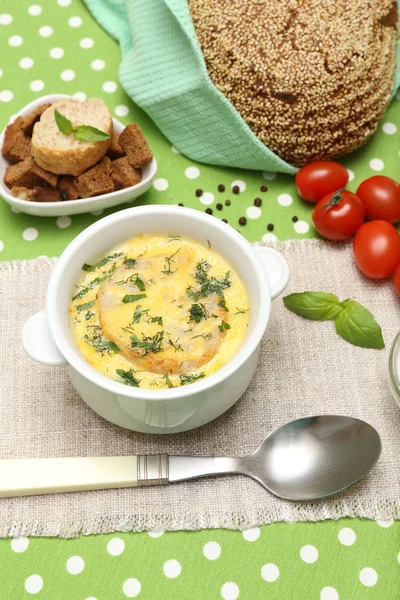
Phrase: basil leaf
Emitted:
{"points": [[63, 124], [86, 133], [357, 325], [133, 298], [317, 306]]}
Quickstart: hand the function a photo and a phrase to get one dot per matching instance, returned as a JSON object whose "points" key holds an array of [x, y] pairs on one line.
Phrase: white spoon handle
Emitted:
{"points": [[30, 476]]}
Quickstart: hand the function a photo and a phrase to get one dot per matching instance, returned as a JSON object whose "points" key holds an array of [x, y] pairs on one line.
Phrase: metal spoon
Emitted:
{"points": [[306, 459]]}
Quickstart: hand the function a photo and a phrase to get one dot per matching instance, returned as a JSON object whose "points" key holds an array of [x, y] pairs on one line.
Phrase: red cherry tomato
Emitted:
{"points": [[381, 198], [338, 216], [396, 279], [319, 178], [377, 249]]}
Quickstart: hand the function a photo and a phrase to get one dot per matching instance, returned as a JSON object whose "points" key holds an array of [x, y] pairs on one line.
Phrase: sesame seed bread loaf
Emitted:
{"points": [[311, 79], [63, 154]]}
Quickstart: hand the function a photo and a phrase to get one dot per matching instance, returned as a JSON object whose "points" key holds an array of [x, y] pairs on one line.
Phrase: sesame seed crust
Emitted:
{"points": [[312, 78]]}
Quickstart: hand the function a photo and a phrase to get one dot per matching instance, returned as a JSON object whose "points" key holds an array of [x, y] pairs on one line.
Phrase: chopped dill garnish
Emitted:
{"points": [[168, 260], [135, 279], [179, 306], [151, 282], [156, 320], [209, 285], [128, 377], [223, 326], [93, 283], [149, 344], [209, 244], [86, 306], [130, 262], [222, 304], [137, 314], [167, 380], [206, 336], [173, 238], [89, 315], [133, 298], [101, 262], [175, 345], [100, 344], [185, 379], [197, 312], [240, 312]]}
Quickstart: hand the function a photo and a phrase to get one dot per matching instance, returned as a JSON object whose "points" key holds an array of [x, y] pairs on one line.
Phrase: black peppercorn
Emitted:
{"points": [[221, 187], [295, 219], [236, 189], [219, 206], [242, 221], [199, 193], [270, 227], [224, 220], [264, 188], [180, 204], [209, 211], [257, 202], [227, 202]]}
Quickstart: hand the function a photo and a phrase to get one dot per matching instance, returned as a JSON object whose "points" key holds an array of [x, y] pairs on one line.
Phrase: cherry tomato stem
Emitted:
{"points": [[337, 216]]}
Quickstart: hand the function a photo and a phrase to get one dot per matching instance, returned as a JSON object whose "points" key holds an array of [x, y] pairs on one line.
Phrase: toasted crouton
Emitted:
{"points": [[64, 154], [123, 175], [28, 174], [95, 181], [16, 145], [135, 146], [67, 188], [45, 194], [33, 117], [20, 192], [114, 150]]}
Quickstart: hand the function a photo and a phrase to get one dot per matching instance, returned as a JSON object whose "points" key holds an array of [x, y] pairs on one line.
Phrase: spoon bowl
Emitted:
{"points": [[315, 457]]}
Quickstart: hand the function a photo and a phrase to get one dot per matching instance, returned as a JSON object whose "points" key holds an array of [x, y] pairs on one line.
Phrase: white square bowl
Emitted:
{"points": [[73, 207]]}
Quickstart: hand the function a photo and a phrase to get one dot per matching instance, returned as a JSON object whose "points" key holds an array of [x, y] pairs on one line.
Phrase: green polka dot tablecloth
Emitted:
{"points": [[55, 46]]}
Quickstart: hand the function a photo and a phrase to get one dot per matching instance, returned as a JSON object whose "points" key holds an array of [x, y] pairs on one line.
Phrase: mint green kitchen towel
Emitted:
{"points": [[164, 72]]}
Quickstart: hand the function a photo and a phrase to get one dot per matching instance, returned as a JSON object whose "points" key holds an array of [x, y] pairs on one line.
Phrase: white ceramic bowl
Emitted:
{"points": [[47, 337], [73, 207]]}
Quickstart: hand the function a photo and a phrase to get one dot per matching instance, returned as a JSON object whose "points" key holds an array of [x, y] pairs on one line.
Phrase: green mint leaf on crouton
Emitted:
{"points": [[63, 124], [86, 133]]}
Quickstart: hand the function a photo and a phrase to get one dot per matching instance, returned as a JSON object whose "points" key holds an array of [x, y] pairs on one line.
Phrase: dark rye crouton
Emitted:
{"points": [[16, 145], [20, 192], [95, 181], [33, 117], [45, 194], [123, 175], [67, 188], [135, 146], [114, 150], [28, 174]]}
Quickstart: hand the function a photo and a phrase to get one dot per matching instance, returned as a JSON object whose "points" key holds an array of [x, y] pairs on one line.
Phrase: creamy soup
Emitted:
{"points": [[159, 311]]}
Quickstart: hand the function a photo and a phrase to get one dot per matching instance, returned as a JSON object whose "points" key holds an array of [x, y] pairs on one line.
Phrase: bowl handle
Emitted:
{"points": [[276, 267], [38, 341]]}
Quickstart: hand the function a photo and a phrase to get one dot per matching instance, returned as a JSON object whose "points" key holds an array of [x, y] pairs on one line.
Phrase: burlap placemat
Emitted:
{"points": [[305, 369]]}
